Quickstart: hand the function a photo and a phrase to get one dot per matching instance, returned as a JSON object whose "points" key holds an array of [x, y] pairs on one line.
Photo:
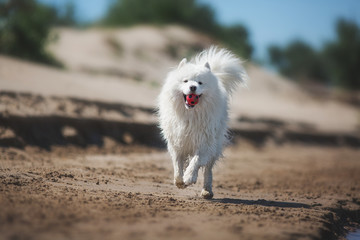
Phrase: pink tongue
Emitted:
{"points": [[192, 99]]}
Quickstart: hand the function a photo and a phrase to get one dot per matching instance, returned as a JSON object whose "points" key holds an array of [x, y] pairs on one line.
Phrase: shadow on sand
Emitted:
{"points": [[262, 202]]}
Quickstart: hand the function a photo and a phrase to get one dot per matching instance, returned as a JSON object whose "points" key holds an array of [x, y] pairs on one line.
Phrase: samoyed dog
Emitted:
{"points": [[193, 113]]}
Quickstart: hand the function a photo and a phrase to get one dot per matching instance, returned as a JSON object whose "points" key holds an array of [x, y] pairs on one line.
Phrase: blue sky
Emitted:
{"points": [[281, 21], [268, 21]]}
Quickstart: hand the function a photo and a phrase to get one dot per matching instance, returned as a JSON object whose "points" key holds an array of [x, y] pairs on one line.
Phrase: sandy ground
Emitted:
{"points": [[292, 192]]}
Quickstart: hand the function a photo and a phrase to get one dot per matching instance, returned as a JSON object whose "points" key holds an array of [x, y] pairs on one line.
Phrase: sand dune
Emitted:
{"points": [[128, 66]]}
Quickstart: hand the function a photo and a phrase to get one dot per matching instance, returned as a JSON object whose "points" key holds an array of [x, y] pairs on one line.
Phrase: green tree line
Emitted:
{"points": [[25, 30], [25, 27], [25, 24], [337, 63], [190, 13]]}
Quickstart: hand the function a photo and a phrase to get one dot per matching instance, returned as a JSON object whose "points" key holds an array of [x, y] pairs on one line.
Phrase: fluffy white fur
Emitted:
{"points": [[196, 136]]}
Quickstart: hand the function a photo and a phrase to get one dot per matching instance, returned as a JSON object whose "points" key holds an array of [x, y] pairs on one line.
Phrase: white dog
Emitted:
{"points": [[193, 113]]}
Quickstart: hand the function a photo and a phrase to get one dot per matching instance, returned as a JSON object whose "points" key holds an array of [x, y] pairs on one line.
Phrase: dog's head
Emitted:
{"points": [[194, 83]]}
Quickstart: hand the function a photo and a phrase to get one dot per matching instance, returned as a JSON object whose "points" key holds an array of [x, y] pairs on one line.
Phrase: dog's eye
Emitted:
{"points": [[185, 81], [200, 83]]}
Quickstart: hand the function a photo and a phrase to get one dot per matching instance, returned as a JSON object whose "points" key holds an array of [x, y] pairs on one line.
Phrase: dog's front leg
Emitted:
{"points": [[179, 172], [207, 192], [191, 172], [178, 164]]}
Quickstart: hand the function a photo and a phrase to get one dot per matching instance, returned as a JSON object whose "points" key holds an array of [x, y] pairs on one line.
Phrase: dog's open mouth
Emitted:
{"points": [[191, 100]]}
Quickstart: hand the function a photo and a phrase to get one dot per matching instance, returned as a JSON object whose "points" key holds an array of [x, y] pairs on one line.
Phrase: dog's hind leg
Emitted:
{"points": [[207, 192]]}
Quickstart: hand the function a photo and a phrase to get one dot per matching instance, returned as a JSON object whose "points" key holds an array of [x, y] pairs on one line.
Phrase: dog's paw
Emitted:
{"points": [[206, 194], [190, 177], [180, 184], [188, 180]]}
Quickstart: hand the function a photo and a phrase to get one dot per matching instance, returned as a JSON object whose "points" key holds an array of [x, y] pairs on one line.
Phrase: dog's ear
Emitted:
{"points": [[182, 63], [207, 65]]}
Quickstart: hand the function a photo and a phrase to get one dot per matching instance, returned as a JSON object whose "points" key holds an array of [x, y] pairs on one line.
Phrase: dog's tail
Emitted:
{"points": [[225, 65]]}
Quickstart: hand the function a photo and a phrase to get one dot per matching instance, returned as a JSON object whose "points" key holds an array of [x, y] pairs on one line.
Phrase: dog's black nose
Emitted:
{"points": [[193, 88]]}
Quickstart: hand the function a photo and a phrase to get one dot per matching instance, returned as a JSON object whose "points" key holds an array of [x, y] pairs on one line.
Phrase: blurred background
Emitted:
{"points": [[303, 58], [81, 155]]}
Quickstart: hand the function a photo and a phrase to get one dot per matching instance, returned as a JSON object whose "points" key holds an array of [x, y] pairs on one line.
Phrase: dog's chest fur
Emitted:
{"points": [[196, 127]]}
